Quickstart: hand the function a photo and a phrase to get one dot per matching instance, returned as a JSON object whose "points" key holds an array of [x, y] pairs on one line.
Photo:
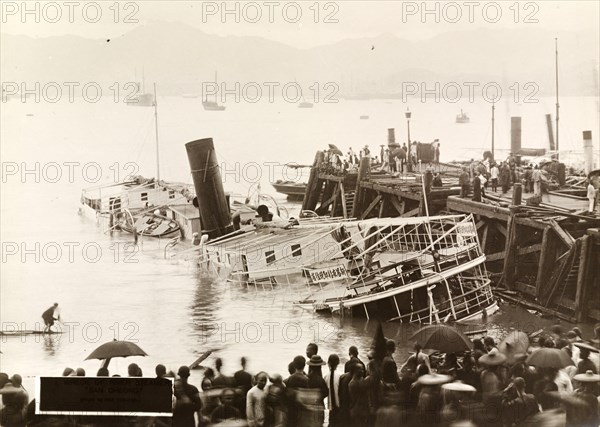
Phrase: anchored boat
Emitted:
{"points": [[462, 117]]}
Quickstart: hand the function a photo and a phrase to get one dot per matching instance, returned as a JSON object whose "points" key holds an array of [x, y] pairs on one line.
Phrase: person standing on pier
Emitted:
{"points": [[536, 176], [494, 173], [591, 195], [48, 317], [505, 177], [463, 181]]}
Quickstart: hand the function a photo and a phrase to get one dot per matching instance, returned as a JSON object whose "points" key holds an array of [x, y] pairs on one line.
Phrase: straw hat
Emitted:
{"points": [[315, 360], [434, 379], [588, 377], [458, 386], [583, 345], [492, 359]]}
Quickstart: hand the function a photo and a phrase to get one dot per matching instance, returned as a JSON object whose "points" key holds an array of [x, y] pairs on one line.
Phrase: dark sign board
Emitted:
{"points": [[104, 396]]}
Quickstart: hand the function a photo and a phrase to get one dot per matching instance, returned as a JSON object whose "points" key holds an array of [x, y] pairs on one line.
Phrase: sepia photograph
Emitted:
{"points": [[300, 213]]}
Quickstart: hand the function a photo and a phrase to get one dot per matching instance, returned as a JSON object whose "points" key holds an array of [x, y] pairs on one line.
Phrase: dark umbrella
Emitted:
{"points": [[549, 358], [516, 342], [333, 147], [492, 359], [336, 151], [378, 345], [115, 349], [399, 152], [443, 338]]}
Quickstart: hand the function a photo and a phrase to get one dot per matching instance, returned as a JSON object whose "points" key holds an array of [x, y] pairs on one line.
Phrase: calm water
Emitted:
{"points": [[108, 290]]}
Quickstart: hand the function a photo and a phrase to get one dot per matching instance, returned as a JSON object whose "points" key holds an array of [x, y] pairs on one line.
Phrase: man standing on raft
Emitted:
{"points": [[49, 319]]}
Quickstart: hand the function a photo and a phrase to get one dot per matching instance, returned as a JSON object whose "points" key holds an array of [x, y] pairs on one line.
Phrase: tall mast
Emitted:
{"points": [[557, 106], [493, 109], [156, 134]]}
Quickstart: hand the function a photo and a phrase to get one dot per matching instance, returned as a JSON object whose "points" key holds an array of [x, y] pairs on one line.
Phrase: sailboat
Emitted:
{"points": [[141, 98], [304, 103], [212, 105], [462, 117]]}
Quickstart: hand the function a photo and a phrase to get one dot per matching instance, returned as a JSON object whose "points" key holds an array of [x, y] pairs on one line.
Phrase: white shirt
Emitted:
{"points": [[591, 192], [336, 388], [494, 172], [256, 406]]}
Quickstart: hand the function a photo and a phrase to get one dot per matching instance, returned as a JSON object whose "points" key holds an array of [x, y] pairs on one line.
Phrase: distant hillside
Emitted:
{"points": [[179, 57]]}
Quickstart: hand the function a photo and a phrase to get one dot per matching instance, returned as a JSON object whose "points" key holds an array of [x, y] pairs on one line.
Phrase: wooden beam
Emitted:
{"points": [[410, 213], [331, 199], [565, 237], [484, 237], [530, 249], [382, 205], [458, 204], [581, 303], [510, 259], [494, 257], [500, 228], [397, 204], [547, 259], [370, 207], [480, 224], [344, 208]]}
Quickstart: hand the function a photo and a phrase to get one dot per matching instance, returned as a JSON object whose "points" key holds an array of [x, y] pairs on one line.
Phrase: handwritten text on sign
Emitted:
{"points": [[327, 274]]}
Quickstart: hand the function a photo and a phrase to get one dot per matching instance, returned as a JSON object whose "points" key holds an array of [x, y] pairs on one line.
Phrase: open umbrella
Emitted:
{"points": [[115, 349], [492, 359], [516, 342], [443, 338], [336, 151], [399, 152], [549, 358]]}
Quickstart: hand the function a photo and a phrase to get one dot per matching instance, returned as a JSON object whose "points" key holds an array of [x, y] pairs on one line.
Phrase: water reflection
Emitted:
{"points": [[51, 343]]}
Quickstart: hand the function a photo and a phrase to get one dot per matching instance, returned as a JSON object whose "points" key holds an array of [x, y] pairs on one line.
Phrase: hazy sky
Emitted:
{"points": [[301, 24]]}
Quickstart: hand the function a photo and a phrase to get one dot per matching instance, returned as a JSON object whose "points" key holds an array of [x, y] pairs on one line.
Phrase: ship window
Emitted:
{"points": [[144, 197], [270, 257], [296, 251], [171, 194]]}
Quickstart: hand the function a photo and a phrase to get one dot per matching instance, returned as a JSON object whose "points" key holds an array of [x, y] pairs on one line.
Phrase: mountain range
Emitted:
{"points": [[179, 58]]}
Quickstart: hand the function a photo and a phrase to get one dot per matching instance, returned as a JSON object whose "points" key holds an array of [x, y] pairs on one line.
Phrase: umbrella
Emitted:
{"points": [[434, 379], [333, 147], [116, 349], [443, 338], [378, 345], [336, 151], [549, 358], [583, 345], [492, 359], [588, 377], [516, 342], [458, 386], [398, 152]]}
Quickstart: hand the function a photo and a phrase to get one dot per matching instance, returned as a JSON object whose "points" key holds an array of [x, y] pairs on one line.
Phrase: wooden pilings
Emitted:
{"points": [[363, 171], [313, 188]]}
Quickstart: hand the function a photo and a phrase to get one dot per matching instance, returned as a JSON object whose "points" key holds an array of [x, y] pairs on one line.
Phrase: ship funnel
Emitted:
{"points": [[212, 203]]}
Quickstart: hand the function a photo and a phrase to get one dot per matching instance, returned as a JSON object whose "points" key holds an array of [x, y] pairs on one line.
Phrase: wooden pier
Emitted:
{"points": [[544, 254]]}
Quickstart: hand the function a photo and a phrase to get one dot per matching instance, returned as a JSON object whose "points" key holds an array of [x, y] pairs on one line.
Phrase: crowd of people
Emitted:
{"points": [[481, 387], [391, 158]]}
